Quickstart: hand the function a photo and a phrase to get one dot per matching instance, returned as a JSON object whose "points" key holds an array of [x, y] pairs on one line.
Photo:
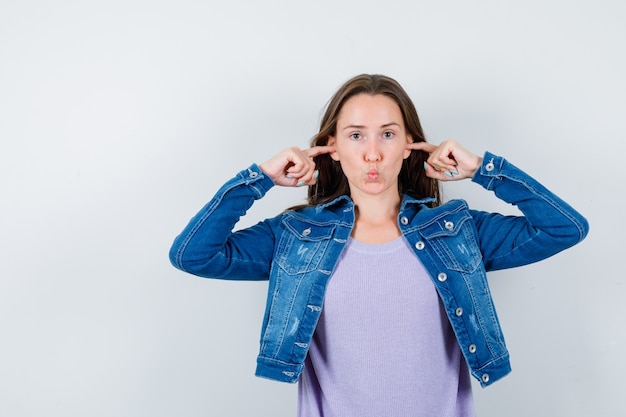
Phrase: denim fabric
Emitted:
{"points": [[298, 251]]}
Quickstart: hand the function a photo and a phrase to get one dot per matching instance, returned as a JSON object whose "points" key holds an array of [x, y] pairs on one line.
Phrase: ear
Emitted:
{"points": [[331, 142], [407, 152]]}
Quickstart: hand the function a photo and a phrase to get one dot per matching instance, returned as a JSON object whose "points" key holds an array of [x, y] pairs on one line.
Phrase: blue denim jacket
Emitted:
{"points": [[298, 251]]}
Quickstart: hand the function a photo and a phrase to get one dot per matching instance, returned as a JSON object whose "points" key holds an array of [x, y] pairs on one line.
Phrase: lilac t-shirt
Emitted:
{"points": [[383, 345]]}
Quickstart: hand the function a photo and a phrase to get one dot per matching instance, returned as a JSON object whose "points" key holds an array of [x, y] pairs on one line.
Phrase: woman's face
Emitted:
{"points": [[370, 144]]}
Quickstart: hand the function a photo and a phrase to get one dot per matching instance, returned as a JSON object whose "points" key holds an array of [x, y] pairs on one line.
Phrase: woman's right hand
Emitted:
{"points": [[294, 167]]}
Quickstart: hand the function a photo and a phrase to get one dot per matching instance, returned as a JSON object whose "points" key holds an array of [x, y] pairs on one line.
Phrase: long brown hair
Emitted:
{"points": [[412, 179]]}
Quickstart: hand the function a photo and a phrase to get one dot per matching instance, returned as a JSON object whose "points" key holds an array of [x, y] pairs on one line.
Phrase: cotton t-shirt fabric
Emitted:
{"points": [[383, 345]]}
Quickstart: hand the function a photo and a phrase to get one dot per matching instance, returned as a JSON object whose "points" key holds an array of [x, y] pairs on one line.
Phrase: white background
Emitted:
{"points": [[120, 119]]}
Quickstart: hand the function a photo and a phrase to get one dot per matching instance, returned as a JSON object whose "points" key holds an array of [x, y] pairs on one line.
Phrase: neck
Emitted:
{"points": [[376, 218]]}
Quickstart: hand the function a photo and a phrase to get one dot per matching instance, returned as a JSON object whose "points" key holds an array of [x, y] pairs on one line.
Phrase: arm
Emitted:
{"points": [[207, 247], [548, 226]]}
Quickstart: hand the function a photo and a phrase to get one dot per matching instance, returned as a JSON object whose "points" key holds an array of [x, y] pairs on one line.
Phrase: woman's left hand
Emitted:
{"points": [[449, 161]]}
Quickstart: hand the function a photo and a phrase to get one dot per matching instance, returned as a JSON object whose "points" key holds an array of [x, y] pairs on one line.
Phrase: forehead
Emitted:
{"points": [[365, 109]]}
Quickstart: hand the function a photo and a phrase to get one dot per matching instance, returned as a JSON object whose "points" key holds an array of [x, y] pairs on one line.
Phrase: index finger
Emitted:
{"points": [[319, 150], [421, 146]]}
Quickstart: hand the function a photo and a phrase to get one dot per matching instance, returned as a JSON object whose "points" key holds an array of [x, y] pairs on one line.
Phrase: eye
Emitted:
{"points": [[388, 134], [355, 136]]}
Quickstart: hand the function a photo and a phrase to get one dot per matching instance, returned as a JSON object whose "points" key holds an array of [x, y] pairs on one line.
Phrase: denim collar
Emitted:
{"points": [[341, 200], [407, 199], [346, 200]]}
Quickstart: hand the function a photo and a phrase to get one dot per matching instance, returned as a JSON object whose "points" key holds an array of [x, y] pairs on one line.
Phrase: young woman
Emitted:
{"points": [[378, 301]]}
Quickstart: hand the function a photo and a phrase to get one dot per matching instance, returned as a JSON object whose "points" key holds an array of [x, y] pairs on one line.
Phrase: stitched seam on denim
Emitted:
{"points": [[296, 215], [449, 260], [462, 325], [272, 314], [217, 200], [492, 317], [504, 358], [419, 227], [551, 202], [556, 206], [181, 249], [278, 361], [240, 260], [459, 327]]}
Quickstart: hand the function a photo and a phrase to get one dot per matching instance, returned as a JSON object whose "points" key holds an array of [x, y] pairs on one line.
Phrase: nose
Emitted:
{"points": [[373, 152]]}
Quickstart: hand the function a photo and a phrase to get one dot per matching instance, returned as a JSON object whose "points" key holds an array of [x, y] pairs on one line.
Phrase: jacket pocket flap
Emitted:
{"points": [[448, 224], [305, 230]]}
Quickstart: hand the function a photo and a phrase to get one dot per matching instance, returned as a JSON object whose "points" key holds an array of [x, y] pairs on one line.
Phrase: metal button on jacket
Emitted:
{"points": [[448, 225], [419, 245], [442, 276], [404, 220]]}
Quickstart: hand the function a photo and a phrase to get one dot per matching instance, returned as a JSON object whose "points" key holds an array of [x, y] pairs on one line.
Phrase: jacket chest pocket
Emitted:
{"points": [[453, 239], [302, 245]]}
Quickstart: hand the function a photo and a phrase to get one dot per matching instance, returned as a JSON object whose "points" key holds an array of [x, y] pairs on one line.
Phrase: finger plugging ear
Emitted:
{"points": [[302, 170]]}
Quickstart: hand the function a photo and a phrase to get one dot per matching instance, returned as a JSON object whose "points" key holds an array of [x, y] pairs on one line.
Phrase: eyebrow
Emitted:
{"points": [[363, 127]]}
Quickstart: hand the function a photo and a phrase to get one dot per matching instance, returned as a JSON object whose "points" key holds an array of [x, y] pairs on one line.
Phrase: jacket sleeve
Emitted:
{"points": [[209, 248], [548, 225]]}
